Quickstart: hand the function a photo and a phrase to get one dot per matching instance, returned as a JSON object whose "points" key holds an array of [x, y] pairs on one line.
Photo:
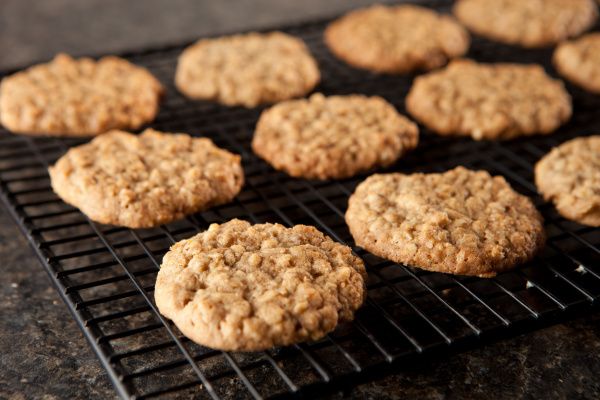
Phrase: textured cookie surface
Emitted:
{"points": [[247, 69], [489, 101], [333, 137], [146, 180], [570, 176], [528, 23], [579, 61], [461, 221], [396, 39], [248, 287], [79, 97]]}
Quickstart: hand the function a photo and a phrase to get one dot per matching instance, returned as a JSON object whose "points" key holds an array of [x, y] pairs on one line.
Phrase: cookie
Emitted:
{"points": [[248, 287], [79, 97], [459, 222], [396, 39], [333, 137], [247, 70], [569, 176], [489, 101], [579, 61], [145, 180], [527, 23]]}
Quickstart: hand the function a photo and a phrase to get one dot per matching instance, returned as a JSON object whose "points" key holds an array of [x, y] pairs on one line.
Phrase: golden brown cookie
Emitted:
{"points": [[247, 70], [333, 137], [569, 176], [79, 97], [527, 23], [579, 61], [489, 101], [248, 287], [396, 39], [145, 180], [460, 222]]}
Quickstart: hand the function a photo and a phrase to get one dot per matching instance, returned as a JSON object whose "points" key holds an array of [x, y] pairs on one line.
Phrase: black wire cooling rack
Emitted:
{"points": [[106, 274]]}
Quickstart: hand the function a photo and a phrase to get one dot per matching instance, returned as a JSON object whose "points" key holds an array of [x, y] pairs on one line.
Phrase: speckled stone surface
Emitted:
{"points": [[43, 355]]}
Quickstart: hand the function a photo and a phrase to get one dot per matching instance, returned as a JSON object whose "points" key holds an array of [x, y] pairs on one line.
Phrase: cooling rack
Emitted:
{"points": [[106, 274]]}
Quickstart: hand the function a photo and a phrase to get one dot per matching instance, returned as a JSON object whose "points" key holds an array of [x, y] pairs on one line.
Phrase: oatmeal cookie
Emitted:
{"points": [[527, 23], [579, 61], [570, 176], [79, 97], [248, 287], [145, 180], [396, 39], [489, 101], [333, 137], [460, 222], [247, 70]]}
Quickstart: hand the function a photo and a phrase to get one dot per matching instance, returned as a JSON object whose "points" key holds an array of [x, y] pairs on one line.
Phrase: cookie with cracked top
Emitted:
{"points": [[569, 176], [333, 137], [244, 287], [527, 23], [579, 61], [460, 222], [396, 39], [247, 69], [145, 180], [489, 101], [79, 97]]}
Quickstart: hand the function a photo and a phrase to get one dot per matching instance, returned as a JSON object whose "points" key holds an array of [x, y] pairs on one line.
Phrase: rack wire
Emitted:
{"points": [[106, 274]]}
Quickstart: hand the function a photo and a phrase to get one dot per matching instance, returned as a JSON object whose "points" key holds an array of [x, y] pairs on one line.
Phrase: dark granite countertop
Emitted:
{"points": [[43, 353]]}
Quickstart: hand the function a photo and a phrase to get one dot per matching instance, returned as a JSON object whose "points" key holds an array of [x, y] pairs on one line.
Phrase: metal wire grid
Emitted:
{"points": [[106, 274]]}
